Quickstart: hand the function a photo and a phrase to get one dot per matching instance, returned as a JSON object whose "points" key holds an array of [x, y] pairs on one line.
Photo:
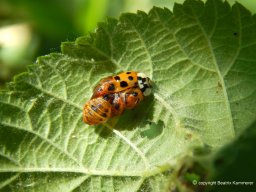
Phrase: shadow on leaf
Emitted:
{"points": [[138, 117]]}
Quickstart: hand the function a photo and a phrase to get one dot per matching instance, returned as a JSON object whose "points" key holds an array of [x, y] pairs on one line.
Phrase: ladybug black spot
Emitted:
{"points": [[111, 87], [106, 97], [130, 78], [135, 94], [117, 106], [117, 78], [123, 84], [128, 72], [94, 108], [144, 88], [104, 115]]}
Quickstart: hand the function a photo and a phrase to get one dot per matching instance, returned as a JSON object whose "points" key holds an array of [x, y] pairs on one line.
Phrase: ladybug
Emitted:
{"points": [[100, 109], [123, 81], [106, 103]]}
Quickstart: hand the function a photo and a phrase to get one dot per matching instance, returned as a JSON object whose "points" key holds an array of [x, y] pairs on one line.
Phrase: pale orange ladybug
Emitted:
{"points": [[100, 109], [97, 110]]}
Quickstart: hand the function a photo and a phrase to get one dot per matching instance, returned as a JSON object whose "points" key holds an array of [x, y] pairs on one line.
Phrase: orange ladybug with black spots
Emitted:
{"points": [[108, 102], [123, 81]]}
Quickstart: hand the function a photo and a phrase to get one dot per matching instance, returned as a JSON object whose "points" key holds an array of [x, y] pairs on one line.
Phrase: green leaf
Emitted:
{"points": [[236, 163], [232, 168], [201, 58]]}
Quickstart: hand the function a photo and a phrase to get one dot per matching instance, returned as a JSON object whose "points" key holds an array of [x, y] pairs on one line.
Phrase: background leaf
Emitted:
{"points": [[236, 163], [201, 59]]}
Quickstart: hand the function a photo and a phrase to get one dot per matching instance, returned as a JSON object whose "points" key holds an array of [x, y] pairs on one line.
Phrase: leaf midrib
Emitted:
{"points": [[86, 171]]}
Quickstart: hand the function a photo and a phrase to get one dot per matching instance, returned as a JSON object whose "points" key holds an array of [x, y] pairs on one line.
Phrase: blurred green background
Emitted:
{"points": [[32, 28]]}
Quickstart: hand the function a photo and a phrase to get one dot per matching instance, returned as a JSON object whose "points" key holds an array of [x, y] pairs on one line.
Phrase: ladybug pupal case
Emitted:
{"points": [[114, 94]]}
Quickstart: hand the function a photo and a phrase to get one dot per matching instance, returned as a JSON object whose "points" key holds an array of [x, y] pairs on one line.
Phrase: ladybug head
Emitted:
{"points": [[145, 84]]}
